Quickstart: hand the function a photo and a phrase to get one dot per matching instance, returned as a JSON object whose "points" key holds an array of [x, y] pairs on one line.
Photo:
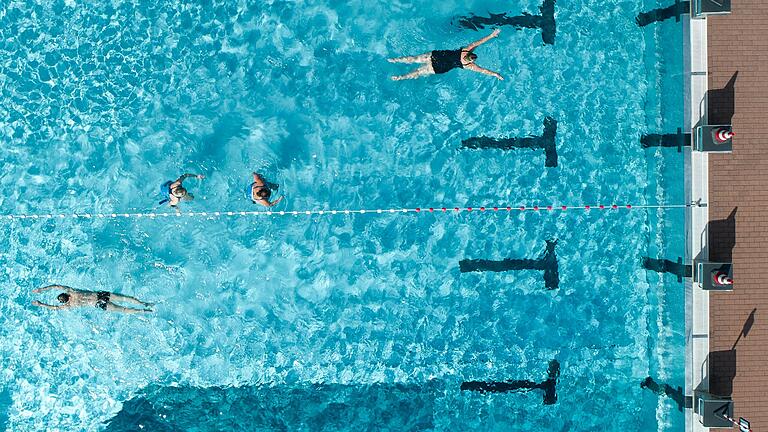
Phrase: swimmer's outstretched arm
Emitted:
{"points": [[476, 44], [186, 176], [476, 68], [47, 306], [274, 203], [52, 287], [258, 179]]}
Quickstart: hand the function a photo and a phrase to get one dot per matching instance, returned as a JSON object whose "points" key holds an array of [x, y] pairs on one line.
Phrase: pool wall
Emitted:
{"points": [[696, 188]]}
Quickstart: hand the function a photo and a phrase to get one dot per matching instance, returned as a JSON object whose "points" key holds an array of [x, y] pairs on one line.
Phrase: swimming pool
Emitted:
{"points": [[346, 321]]}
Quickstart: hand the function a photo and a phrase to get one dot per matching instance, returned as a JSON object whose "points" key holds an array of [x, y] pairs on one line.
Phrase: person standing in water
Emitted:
{"points": [[176, 192], [72, 298], [261, 191], [442, 61]]}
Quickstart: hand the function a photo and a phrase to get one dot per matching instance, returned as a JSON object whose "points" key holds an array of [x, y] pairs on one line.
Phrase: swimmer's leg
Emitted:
{"points": [[420, 72], [423, 58], [117, 308], [128, 299]]}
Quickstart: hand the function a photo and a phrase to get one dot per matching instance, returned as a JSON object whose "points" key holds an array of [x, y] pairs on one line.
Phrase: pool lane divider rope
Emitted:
{"points": [[454, 210]]}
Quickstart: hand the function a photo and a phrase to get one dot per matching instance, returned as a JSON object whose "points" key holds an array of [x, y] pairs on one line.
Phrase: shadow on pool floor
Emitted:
{"points": [[324, 406]]}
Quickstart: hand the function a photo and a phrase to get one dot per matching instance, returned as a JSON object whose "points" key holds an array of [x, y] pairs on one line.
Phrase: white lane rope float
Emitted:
{"points": [[446, 210]]}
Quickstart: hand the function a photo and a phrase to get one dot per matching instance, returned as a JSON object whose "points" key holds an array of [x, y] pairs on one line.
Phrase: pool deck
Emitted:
{"points": [[737, 46]]}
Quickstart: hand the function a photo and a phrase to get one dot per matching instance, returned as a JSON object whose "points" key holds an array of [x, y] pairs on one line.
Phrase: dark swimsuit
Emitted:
{"points": [[102, 298], [445, 60]]}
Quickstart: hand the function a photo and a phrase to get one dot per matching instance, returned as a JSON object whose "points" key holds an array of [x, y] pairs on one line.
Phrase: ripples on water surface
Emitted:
{"points": [[102, 102]]}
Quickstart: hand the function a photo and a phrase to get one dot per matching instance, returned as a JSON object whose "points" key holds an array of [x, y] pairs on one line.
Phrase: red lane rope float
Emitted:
{"points": [[213, 214]]}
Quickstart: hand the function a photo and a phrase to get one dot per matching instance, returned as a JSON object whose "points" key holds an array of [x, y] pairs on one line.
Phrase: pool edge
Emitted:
{"points": [[696, 188]]}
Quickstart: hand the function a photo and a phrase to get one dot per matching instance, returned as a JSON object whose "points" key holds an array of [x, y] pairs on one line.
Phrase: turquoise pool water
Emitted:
{"points": [[336, 322]]}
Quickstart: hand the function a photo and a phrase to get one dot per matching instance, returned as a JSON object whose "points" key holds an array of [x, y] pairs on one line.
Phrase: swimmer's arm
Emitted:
{"points": [[47, 306], [52, 287], [476, 44], [258, 179], [186, 176], [274, 203], [476, 68]]}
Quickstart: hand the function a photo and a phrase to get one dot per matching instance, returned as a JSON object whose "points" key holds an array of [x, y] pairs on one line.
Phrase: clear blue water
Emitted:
{"points": [[328, 323]]}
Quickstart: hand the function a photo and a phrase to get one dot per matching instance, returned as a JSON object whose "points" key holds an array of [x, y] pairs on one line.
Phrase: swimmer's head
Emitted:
{"points": [[63, 298], [179, 192], [471, 57], [263, 193]]}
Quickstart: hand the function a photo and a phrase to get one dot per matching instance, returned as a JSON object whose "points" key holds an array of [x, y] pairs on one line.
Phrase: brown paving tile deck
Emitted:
{"points": [[738, 207]]}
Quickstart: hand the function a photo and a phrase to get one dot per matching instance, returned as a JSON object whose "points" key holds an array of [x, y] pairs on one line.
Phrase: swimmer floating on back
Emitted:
{"points": [[176, 192], [72, 298], [261, 190], [441, 61]]}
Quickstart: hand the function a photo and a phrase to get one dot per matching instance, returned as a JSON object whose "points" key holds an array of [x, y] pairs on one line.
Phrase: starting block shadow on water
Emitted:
{"points": [[545, 141], [545, 21], [678, 140], [663, 14], [546, 263], [549, 385], [676, 394], [667, 266]]}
